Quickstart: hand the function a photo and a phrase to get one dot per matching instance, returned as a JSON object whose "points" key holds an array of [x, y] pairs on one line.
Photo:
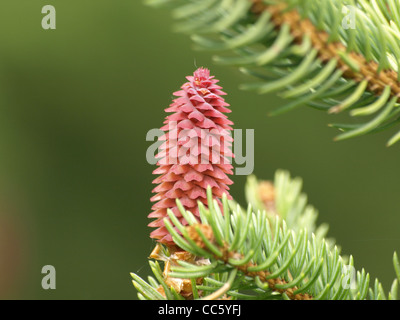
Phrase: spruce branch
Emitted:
{"points": [[283, 197], [306, 51], [203, 235], [247, 254]]}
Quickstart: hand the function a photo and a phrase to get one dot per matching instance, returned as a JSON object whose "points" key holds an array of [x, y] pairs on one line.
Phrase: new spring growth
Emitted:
{"points": [[194, 151]]}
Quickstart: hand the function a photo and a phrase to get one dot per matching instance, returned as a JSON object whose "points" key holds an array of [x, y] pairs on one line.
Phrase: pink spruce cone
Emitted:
{"points": [[196, 152]]}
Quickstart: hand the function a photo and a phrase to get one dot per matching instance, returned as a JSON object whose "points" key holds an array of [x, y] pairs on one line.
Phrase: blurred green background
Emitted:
{"points": [[75, 106]]}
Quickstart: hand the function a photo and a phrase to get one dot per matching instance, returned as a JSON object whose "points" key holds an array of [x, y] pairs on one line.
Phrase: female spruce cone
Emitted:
{"points": [[196, 151]]}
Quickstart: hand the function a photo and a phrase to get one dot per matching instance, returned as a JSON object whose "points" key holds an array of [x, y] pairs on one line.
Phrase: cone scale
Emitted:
{"points": [[195, 153]]}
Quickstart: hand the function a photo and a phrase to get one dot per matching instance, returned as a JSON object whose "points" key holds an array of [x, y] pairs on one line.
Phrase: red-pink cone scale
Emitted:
{"points": [[196, 151]]}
